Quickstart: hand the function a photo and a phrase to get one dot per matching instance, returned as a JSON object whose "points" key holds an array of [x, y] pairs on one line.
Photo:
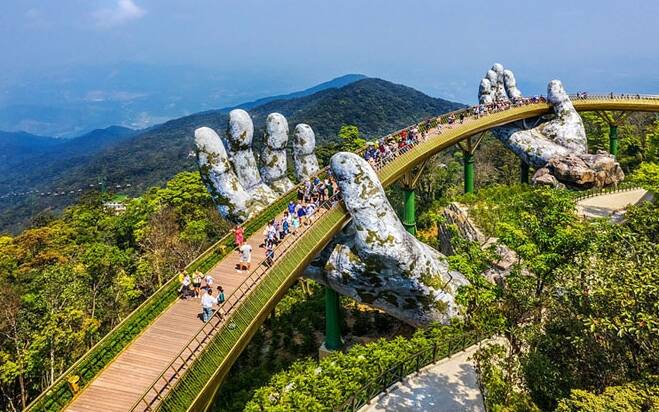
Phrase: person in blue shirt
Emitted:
{"points": [[301, 212]]}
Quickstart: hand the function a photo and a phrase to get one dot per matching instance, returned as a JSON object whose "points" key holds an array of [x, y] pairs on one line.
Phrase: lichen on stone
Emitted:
{"points": [[557, 138]]}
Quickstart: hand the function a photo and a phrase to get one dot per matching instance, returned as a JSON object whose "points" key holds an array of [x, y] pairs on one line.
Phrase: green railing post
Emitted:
{"points": [[469, 172], [524, 173], [613, 139], [409, 215], [333, 339]]}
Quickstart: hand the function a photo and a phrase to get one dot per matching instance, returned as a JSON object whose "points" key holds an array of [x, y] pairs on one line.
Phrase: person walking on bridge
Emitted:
{"points": [[196, 284], [239, 233], [245, 257], [185, 286], [207, 302], [209, 281]]}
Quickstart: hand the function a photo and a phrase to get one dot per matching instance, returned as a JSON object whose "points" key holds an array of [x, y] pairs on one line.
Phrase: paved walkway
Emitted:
{"points": [[610, 204], [449, 385]]}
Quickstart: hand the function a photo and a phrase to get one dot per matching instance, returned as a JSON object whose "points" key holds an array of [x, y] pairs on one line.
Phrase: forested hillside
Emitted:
{"points": [[375, 106], [155, 155], [27, 161], [68, 281]]}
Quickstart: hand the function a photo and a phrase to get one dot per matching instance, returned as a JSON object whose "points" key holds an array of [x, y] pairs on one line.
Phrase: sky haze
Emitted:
{"points": [[442, 48]]}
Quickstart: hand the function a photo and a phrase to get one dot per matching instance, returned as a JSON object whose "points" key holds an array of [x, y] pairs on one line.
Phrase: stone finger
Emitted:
{"points": [[498, 86], [273, 158], [510, 84], [227, 192], [485, 92], [240, 133], [304, 144], [567, 128]]}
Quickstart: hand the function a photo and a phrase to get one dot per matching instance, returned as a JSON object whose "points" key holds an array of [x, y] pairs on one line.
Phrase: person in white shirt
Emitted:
{"points": [[209, 281], [207, 302], [245, 256]]}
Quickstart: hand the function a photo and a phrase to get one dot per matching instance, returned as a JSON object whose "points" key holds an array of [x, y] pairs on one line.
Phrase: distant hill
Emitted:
{"points": [[29, 161], [21, 144], [332, 84], [153, 156]]}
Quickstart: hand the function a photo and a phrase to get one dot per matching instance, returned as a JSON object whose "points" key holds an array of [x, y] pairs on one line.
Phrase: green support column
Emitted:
{"points": [[409, 215], [613, 139], [333, 339], [469, 172], [524, 173]]}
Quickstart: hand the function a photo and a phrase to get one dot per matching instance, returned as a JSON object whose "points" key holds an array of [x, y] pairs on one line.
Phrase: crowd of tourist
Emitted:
{"points": [[314, 191], [310, 197], [198, 286], [391, 146], [611, 95]]}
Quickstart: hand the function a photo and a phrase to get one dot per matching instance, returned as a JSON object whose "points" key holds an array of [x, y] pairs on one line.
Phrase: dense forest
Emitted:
{"points": [[69, 277], [153, 156], [549, 321], [577, 317], [68, 280]]}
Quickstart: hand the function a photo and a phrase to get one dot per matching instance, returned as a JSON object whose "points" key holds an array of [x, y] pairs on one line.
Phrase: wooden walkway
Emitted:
{"points": [[124, 381]]}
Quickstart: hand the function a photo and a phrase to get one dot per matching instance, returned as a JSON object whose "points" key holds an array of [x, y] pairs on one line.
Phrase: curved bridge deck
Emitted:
{"points": [[175, 356], [123, 382]]}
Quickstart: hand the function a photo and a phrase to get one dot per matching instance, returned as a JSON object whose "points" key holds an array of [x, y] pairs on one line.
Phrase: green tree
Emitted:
{"points": [[351, 141]]}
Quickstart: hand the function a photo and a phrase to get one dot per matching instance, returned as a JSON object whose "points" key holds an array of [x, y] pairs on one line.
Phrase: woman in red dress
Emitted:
{"points": [[239, 232]]}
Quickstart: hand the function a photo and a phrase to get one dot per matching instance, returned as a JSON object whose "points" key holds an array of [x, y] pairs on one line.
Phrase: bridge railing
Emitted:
{"points": [[613, 96], [400, 370], [594, 192]]}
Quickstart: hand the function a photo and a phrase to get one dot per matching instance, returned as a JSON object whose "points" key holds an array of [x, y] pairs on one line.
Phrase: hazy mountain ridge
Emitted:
{"points": [[332, 84], [155, 155], [68, 101], [151, 157]]}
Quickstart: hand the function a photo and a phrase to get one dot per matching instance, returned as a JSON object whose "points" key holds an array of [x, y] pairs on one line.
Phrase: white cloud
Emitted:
{"points": [[124, 12]]}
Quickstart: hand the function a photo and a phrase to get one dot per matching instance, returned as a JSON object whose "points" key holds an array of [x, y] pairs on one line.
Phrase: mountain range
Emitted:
{"points": [[135, 160]]}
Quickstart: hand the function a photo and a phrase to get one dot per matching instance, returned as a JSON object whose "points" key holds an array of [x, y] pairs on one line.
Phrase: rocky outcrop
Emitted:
{"points": [[378, 262], [229, 169], [556, 142], [458, 223], [584, 170]]}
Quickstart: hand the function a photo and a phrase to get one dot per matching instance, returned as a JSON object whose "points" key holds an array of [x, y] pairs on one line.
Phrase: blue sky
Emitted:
{"points": [[439, 47]]}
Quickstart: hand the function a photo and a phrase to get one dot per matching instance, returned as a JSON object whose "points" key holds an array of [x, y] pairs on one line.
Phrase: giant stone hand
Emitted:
{"points": [[229, 169], [558, 146], [376, 261]]}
